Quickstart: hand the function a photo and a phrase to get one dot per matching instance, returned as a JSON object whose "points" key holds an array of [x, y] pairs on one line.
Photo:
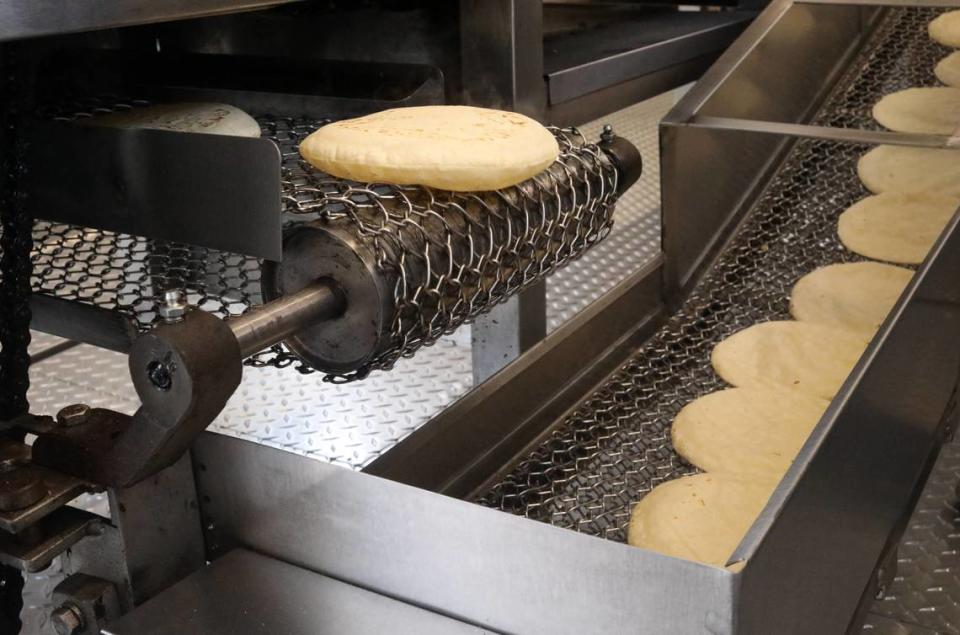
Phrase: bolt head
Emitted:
{"points": [[67, 620], [74, 415], [160, 375]]}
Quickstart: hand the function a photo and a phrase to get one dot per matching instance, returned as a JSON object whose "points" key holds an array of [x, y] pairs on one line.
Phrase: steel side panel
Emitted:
{"points": [[780, 66], [478, 565], [709, 176], [182, 187], [697, 219], [824, 531], [245, 593]]}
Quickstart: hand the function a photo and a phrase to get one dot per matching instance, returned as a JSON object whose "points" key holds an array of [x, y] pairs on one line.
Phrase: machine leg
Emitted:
{"points": [[508, 330]]}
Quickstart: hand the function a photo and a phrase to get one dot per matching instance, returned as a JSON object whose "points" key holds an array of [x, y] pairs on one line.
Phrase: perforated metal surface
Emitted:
{"points": [[616, 447], [635, 239]]}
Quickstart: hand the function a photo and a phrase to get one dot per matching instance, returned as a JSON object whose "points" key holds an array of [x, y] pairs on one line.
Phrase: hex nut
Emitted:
{"points": [[73, 415], [67, 620], [174, 306]]}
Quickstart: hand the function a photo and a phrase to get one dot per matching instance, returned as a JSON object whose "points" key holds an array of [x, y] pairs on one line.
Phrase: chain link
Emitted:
{"points": [[15, 269]]}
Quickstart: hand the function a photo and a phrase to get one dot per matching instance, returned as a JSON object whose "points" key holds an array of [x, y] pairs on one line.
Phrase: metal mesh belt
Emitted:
{"points": [[449, 256], [452, 256], [616, 447]]}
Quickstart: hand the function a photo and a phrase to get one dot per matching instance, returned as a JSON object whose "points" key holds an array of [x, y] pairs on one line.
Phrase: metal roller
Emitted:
{"points": [[412, 264]]}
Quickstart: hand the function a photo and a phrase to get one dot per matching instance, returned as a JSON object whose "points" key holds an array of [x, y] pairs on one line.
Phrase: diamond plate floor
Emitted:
{"points": [[352, 424], [41, 343], [349, 424], [635, 239], [924, 597]]}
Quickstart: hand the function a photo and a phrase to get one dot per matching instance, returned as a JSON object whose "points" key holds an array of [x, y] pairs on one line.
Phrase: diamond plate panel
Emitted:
{"points": [[346, 424], [879, 625], [82, 374], [635, 239], [925, 593], [40, 342]]}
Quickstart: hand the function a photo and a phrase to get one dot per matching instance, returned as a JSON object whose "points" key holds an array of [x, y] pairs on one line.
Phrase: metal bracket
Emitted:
{"points": [[34, 549], [145, 182], [184, 373], [86, 603]]}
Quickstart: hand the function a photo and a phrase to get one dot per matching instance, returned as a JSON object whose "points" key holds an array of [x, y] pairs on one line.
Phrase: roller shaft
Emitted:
{"points": [[281, 318], [417, 263]]}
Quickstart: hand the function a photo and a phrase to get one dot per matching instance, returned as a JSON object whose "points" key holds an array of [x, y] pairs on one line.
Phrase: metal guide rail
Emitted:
{"points": [[439, 258], [615, 447]]}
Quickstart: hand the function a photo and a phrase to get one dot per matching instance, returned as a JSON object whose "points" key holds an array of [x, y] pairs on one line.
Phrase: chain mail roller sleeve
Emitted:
{"points": [[415, 263]]}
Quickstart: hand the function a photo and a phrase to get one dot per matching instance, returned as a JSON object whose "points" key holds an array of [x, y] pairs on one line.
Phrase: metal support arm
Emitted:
{"points": [[184, 373]]}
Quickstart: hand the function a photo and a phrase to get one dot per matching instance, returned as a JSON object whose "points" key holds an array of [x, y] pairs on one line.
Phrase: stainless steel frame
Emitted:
{"points": [[829, 520], [834, 515], [756, 79], [812, 555], [450, 556]]}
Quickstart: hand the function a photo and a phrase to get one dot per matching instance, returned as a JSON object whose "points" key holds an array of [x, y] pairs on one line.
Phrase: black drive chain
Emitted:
{"points": [[16, 242]]}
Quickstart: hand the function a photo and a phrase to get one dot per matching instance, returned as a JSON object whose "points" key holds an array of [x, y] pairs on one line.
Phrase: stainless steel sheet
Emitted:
{"points": [[245, 593]]}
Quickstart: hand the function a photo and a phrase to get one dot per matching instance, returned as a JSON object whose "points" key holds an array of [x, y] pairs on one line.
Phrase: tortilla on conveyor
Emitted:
{"points": [[930, 110], [854, 295], [204, 118], [812, 358], [945, 29], [907, 169], [896, 226], [947, 70], [746, 431], [701, 517], [459, 148]]}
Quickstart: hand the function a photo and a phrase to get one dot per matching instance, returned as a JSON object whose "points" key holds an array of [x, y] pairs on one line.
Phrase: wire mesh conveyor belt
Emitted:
{"points": [[440, 258], [616, 446]]}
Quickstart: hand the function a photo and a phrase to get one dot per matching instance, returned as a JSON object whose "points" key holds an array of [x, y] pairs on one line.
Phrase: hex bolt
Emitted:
{"points": [[73, 415], [174, 306], [67, 619]]}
